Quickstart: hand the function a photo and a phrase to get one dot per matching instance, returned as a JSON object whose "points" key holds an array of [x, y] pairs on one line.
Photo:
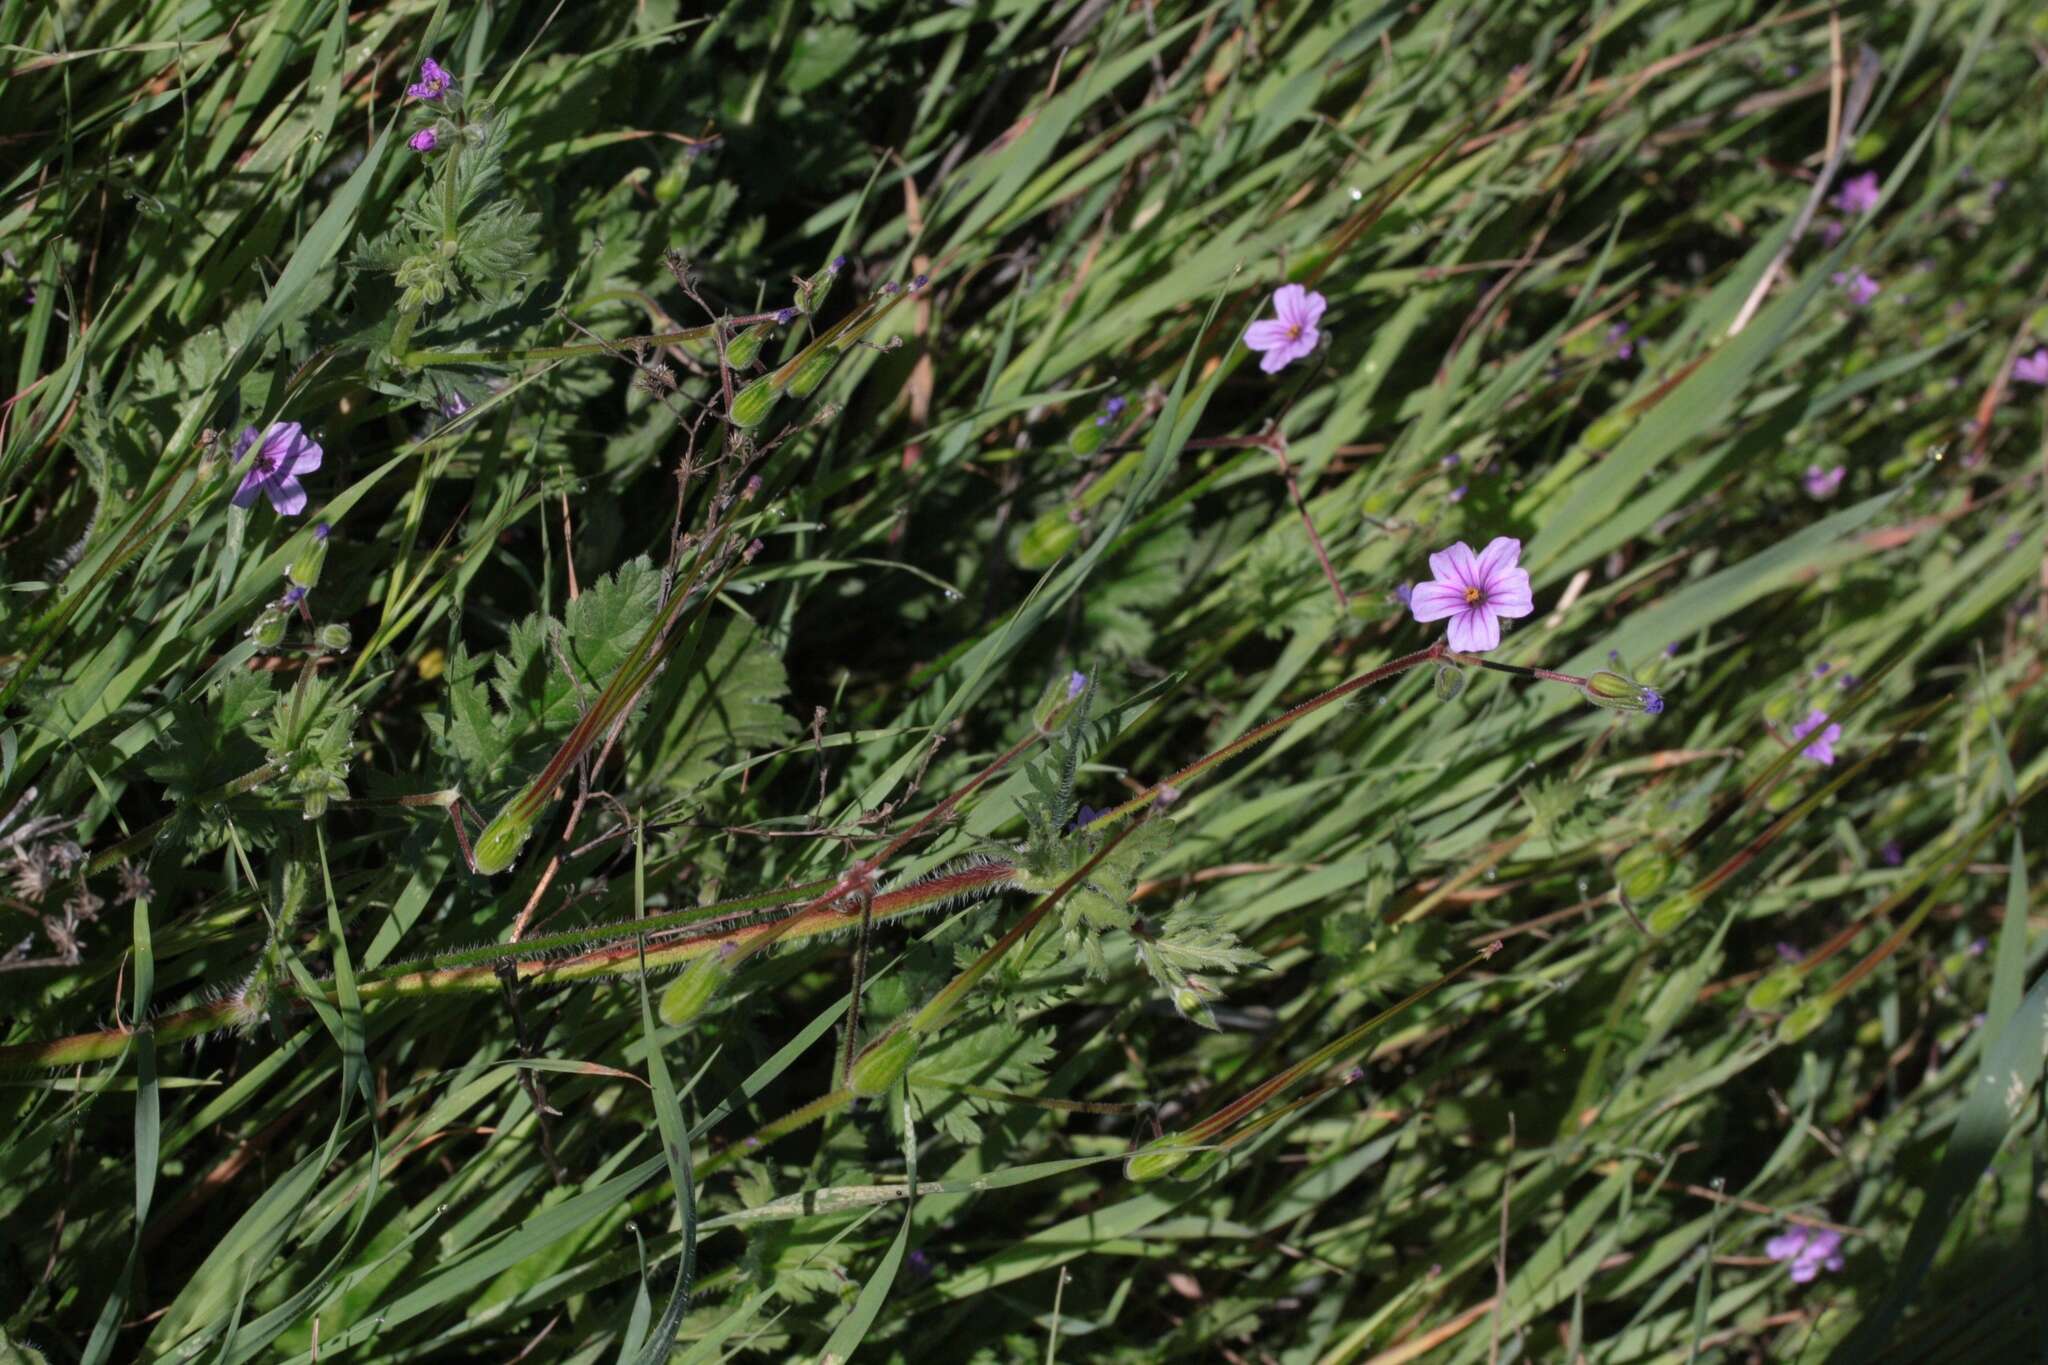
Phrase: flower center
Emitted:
{"points": [[264, 463], [1294, 332], [1472, 596]]}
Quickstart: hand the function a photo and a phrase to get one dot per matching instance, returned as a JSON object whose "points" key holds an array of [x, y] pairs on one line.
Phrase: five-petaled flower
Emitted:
{"points": [[433, 83], [284, 453], [1820, 484], [1859, 194], [1292, 334], [1822, 749], [2032, 369], [425, 140], [1860, 288], [1474, 592], [1810, 1250]]}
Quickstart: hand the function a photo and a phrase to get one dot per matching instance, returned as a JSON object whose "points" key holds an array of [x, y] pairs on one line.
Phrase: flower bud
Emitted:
{"points": [[1156, 1158], [741, 350], [1087, 438], [333, 636], [753, 403], [1805, 1017], [1450, 681], [497, 848], [1617, 693], [689, 993], [1666, 918], [268, 632], [811, 369], [304, 571], [1046, 540], [883, 1063], [1641, 872]]}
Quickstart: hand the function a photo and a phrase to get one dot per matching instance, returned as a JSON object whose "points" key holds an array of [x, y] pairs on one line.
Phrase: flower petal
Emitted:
{"points": [[286, 495], [1465, 565], [303, 455], [1510, 594], [1475, 630], [1265, 334], [1289, 303], [1435, 601], [1312, 306], [1501, 554], [1443, 565], [1277, 359], [246, 495], [1786, 1244]]}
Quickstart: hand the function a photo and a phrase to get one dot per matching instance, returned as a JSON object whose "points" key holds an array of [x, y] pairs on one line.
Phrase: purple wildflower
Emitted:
{"points": [[920, 282], [1822, 484], [434, 81], [1671, 650], [1115, 407], [285, 453], [292, 597], [425, 140], [1830, 231], [1474, 592], [1617, 337], [453, 404], [1822, 749], [2032, 369], [1810, 1250], [1849, 681], [840, 263], [1820, 670], [1977, 947], [1892, 854], [1860, 288], [1789, 952], [1404, 593], [1075, 682], [1453, 460], [1292, 334], [1458, 493], [321, 530], [1858, 195], [785, 316]]}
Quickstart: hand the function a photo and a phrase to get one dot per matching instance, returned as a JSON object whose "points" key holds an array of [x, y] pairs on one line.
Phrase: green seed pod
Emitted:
{"points": [[1666, 918], [1046, 541], [305, 570], [1775, 989], [669, 188], [753, 403], [811, 369], [1087, 438], [1606, 433], [1156, 1159], [741, 350], [883, 1063], [333, 636], [1450, 681], [1641, 872], [689, 993], [1617, 693], [1805, 1017], [268, 632], [497, 848]]}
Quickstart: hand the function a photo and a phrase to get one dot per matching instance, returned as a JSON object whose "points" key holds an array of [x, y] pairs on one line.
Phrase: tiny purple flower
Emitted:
{"points": [[453, 404], [920, 282], [1810, 1250], [1789, 952], [1976, 948], [2032, 369], [840, 263], [1822, 749], [1860, 288], [285, 453], [1458, 493], [1075, 682], [1822, 484], [1453, 460], [785, 316], [1115, 407], [1671, 650], [1290, 335], [1617, 337], [1474, 592], [1858, 195], [434, 81], [1892, 854], [292, 597], [1084, 817], [321, 530], [1849, 681], [1820, 670], [425, 140], [1404, 593]]}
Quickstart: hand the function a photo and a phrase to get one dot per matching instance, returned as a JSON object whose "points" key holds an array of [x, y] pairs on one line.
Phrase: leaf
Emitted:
{"points": [[995, 1055], [729, 704]]}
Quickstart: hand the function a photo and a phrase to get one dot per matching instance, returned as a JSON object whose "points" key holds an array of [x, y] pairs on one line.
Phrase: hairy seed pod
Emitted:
{"points": [[1450, 681], [268, 632], [333, 636], [753, 403], [811, 369], [689, 993], [1641, 872], [741, 350], [1156, 1159], [1775, 989], [497, 848], [1805, 1017], [1666, 918], [883, 1063], [1087, 438]]}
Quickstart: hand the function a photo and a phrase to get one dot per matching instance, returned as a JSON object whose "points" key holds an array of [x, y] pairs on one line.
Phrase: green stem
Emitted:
{"points": [[139, 840]]}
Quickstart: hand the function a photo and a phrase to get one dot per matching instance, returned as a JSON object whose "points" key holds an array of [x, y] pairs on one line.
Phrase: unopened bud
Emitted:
{"points": [[1450, 681], [333, 636], [1087, 438], [1617, 693], [785, 316], [1775, 989], [304, 571], [1666, 918], [689, 993], [1156, 1158], [751, 406], [1805, 1017], [497, 848]]}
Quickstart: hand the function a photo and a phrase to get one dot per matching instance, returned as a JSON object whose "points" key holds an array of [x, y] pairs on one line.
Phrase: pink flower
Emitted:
{"points": [[1810, 1250], [285, 453], [1293, 334], [1474, 592], [1820, 484], [1858, 194], [434, 81], [2032, 369], [425, 140], [1822, 750], [1860, 288]]}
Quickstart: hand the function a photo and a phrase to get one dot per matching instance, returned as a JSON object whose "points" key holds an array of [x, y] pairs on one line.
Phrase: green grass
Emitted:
{"points": [[1450, 1018]]}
